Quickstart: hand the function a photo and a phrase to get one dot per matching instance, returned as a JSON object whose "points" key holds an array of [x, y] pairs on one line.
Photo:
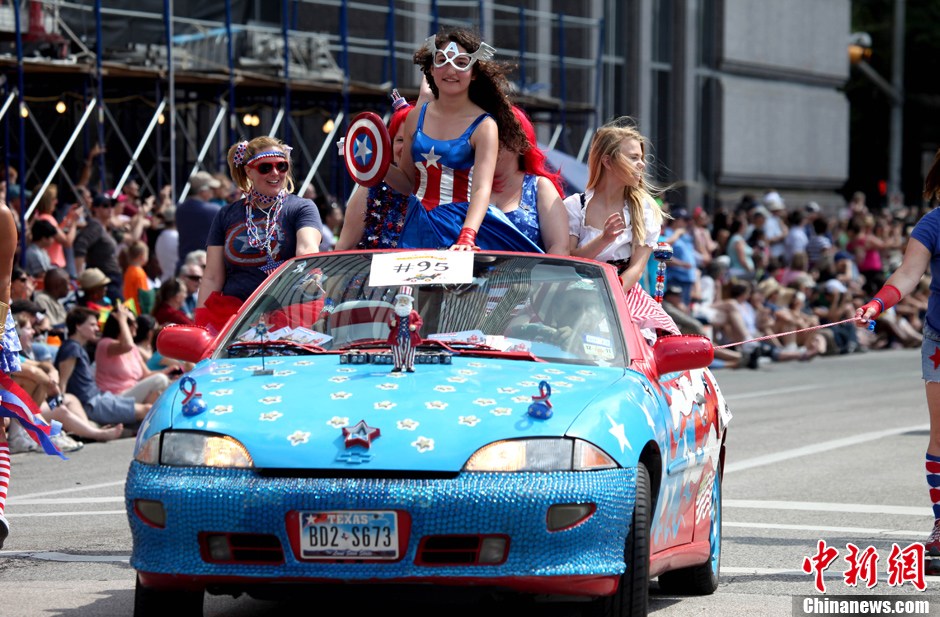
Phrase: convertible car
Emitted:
{"points": [[537, 441]]}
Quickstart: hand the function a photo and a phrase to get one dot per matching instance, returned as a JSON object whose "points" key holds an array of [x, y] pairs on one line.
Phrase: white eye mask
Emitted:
{"points": [[461, 61]]}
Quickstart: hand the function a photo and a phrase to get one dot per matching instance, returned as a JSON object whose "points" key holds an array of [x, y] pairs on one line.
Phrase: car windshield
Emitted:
{"points": [[545, 307]]}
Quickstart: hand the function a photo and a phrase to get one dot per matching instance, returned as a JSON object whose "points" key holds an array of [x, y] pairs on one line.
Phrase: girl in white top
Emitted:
{"points": [[618, 218]]}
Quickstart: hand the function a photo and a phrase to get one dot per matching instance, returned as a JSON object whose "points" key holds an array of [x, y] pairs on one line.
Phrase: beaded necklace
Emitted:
{"points": [[272, 225]]}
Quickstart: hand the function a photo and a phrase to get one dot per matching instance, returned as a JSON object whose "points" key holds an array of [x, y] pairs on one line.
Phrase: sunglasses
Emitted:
{"points": [[265, 168], [193, 277], [23, 279]]}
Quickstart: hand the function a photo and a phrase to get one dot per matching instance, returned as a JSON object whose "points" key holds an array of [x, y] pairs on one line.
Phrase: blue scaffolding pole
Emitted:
{"points": [[22, 130], [285, 15], [99, 85], [232, 119]]}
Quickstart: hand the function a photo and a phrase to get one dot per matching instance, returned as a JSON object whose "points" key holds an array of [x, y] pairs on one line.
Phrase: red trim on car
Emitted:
{"points": [[586, 585]]}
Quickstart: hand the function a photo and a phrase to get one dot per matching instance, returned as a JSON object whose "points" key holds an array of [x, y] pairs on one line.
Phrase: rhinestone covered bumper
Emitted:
{"points": [[241, 501]]}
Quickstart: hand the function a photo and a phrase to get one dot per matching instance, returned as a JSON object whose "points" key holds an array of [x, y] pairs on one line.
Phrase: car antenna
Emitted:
{"points": [[262, 329]]}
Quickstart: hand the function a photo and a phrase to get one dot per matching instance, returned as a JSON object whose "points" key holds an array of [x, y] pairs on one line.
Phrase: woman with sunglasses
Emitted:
{"points": [[453, 138], [251, 237]]}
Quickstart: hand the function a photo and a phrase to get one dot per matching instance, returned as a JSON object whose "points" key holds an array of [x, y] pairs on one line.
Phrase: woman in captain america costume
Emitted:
{"points": [[451, 145], [14, 402], [922, 255]]}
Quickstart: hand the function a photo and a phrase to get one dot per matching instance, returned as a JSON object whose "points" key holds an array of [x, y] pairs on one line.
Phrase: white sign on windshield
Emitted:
{"points": [[421, 268]]}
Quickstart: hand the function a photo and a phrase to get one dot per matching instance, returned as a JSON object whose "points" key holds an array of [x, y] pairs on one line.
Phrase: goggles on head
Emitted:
{"points": [[461, 61]]}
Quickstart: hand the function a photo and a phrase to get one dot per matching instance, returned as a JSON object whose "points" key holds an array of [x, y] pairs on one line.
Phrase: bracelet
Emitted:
{"points": [[882, 304], [4, 312]]}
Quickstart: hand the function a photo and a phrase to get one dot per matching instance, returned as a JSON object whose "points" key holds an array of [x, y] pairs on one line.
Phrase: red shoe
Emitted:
{"points": [[932, 545]]}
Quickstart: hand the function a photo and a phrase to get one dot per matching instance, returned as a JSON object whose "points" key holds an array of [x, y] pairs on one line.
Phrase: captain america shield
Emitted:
{"points": [[367, 149]]}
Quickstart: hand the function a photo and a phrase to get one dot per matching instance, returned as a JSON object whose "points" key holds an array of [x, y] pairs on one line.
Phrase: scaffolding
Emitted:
{"points": [[166, 90]]}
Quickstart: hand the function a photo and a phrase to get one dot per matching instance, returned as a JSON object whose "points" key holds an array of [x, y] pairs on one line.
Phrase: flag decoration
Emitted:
{"points": [[16, 404], [647, 313]]}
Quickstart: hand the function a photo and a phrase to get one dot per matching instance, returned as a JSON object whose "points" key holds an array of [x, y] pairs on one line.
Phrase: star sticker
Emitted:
{"points": [[270, 416], [338, 422], [362, 151], [617, 430], [407, 425], [360, 435], [284, 373], [300, 267], [384, 405], [218, 410], [520, 399], [444, 388], [484, 402], [339, 379], [225, 392], [507, 390], [221, 379], [423, 444], [501, 411], [269, 400], [468, 420], [431, 158], [936, 358], [298, 437], [436, 405], [339, 396], [387, 386], [454, 380], [272, 386]]}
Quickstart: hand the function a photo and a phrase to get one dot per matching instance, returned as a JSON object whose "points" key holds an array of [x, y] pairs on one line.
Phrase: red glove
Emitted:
{"points": [[886, 297], [467, 237]]}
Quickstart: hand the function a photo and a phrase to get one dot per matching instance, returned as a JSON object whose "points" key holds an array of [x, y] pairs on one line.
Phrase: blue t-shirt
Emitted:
{"points": [[82, 380], [927, 232], [683, 249], [243, 263], [193, 220]]}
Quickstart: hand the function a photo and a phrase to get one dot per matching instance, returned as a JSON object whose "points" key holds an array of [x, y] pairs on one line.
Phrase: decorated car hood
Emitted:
{"points": [[431, 420]]}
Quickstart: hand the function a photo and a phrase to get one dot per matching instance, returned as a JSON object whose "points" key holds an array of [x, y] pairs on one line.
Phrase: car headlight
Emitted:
{"points": [[539, 455], [193, 449]]}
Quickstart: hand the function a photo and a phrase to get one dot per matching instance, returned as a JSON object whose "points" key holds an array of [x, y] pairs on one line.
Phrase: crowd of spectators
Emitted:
{"points": [[763, 268]]}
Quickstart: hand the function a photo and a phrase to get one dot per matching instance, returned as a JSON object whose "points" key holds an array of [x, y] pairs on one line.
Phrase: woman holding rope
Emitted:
{"points": [[923, 251]]}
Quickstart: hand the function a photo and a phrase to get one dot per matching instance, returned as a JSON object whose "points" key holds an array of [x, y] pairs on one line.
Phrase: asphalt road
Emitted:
{"points": [[830, 450]]}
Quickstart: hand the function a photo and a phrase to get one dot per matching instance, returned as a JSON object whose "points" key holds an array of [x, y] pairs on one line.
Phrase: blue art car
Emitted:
{"points": [[504, 425]]}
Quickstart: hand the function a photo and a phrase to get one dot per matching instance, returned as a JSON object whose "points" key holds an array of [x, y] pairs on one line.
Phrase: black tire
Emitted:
{"points": [[149, 602], [700, 580], [632, 596]]}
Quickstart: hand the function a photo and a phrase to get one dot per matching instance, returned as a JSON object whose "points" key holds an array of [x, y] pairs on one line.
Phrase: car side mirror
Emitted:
{"points": [[186, 343], [682, 353]]}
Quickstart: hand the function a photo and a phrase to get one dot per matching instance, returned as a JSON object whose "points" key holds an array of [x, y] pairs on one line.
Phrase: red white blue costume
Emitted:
{"points": [[443, 179]]}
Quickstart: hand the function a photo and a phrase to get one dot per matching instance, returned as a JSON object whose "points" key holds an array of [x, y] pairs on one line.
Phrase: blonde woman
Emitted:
{"points": [[617, 219], [277, 224]]}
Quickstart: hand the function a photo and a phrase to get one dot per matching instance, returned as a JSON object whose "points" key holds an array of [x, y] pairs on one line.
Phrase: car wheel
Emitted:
{"points": [[632, 596], [150, 602], [700, 580]]}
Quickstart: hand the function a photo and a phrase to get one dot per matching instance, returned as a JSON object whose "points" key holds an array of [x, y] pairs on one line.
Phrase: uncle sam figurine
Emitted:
{"points": [[404, 325]]}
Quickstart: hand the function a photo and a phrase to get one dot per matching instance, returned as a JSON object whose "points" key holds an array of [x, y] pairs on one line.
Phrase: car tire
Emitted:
{"points": [[700, 580], [150, 602], [632, 596]]}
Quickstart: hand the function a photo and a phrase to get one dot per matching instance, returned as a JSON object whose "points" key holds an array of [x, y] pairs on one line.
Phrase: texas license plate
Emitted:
{"points": [[349, 534]]}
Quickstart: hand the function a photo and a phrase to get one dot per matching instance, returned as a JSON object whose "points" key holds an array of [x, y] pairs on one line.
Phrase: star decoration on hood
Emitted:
{"points": [[360, 435]]}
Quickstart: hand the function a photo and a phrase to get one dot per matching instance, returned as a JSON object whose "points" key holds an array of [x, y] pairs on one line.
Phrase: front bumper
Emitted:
{"points": [[199, 500]]}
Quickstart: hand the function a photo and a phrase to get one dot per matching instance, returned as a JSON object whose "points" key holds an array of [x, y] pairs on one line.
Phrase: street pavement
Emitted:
{"points": [[831, 449]]}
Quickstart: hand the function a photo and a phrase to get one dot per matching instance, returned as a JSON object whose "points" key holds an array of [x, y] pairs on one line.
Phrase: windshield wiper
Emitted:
{"points": [[276, 347], [480, 349], [375, 342]]}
